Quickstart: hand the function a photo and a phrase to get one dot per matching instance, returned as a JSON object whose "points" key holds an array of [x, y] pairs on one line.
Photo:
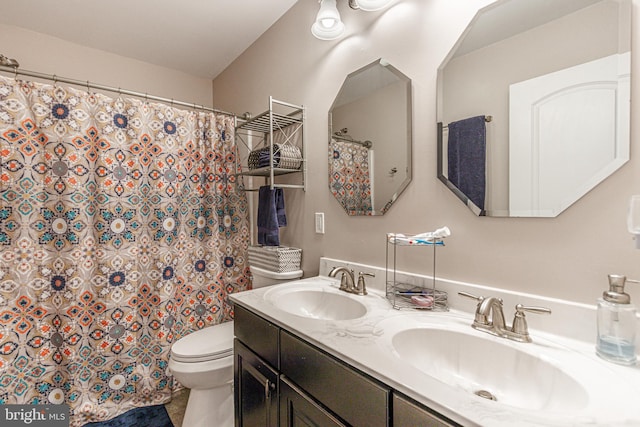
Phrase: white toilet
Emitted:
{"points": [[203, 362]]}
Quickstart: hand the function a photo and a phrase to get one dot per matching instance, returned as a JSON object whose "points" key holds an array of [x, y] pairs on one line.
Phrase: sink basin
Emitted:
{"points": [[325, 304], [489, 368]]}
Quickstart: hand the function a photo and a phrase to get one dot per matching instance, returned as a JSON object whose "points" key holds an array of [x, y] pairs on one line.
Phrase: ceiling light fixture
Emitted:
{"points": [[371, 5], [329, 26]]}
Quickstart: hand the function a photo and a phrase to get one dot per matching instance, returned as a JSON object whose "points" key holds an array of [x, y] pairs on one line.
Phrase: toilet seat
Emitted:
{"points": [[210, 343]]}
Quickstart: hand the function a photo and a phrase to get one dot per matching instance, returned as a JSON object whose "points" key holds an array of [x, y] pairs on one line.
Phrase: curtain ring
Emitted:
{"points": [[55, 80], [15, 73], [88, 88]]}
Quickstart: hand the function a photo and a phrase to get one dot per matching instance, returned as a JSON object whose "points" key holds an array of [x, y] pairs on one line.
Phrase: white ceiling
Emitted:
{"points": [[199, 37]]}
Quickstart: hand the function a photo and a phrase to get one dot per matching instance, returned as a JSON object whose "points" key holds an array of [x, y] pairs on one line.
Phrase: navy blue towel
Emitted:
{"points": [[271, 215], [467, 157], [264, 157]]}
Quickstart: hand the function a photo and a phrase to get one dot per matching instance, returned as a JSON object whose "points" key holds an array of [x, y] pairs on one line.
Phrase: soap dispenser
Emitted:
{"points": [[616, 324]]}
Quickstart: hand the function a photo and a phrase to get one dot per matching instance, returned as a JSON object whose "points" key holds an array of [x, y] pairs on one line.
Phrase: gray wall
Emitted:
{"points": [[50, 55], [566, 257]]}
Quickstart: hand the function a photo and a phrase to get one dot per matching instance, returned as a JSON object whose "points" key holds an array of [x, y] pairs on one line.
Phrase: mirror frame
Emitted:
{"points": [[618, 161], [409, 133]]}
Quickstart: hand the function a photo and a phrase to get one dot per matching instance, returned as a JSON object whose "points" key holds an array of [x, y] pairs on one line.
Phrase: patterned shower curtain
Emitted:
{"points": [[122, 228], [349, 178]]}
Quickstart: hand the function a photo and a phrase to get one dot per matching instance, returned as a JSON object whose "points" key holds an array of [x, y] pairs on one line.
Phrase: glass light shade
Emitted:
{"points": [[372, 5], [328, 25], [633, 219]]}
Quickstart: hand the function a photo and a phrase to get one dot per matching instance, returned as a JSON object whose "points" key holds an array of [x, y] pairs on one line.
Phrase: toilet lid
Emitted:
{"points": [[212, 342]]}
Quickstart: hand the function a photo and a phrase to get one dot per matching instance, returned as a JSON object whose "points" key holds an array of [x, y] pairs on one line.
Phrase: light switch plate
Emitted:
{"points": [[320, 222]]}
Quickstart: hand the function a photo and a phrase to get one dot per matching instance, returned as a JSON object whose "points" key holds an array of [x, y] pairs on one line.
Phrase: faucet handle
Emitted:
{"points": [[520, 322], [465, 294], [480, 318], [362, 286], [538, 310]]}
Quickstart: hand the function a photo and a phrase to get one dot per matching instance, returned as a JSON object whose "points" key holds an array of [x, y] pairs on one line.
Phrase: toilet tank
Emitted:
{"points": [[262, 277]]}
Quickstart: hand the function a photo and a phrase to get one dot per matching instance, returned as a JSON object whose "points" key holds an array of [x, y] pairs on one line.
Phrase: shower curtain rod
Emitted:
{"points": [[17, 71], [347, 138], [366, 144]]}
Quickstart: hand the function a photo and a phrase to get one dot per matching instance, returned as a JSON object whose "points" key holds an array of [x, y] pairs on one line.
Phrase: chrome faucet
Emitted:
{"points": [[492, 307], [489, 317], [347, 281]]}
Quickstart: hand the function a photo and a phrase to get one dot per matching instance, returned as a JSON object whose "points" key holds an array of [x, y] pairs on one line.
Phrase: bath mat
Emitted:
{"points": [[149, 416]]}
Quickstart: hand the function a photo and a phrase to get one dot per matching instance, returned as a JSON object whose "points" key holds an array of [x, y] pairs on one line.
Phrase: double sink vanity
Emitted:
{"points": [[308, 353]]}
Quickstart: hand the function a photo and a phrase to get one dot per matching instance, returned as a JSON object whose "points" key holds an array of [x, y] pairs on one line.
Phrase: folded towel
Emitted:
{"points": [[271, 215], [467, 157], [264, 157]]}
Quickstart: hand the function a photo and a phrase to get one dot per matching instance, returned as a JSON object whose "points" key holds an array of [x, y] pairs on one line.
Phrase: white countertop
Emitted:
{"points": [[365, 343]]}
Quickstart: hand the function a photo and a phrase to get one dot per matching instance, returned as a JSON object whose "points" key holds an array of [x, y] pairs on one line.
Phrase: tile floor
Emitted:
{"points": [[177, 406]]}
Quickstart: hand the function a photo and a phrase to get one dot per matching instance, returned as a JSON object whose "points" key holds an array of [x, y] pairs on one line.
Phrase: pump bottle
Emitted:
{"points": [[616, 324]]}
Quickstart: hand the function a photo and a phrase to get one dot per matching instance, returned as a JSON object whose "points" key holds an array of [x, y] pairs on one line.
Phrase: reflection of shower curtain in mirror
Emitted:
{"points": [[349, 178], [122, 228]]}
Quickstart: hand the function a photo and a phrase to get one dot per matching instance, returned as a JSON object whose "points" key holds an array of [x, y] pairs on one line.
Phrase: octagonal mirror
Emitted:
{"points": [[370, 139], [533, 105]]}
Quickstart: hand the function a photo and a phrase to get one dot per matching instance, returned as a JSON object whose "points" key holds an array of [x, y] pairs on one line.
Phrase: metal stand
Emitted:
{"points": [[399, 293]]}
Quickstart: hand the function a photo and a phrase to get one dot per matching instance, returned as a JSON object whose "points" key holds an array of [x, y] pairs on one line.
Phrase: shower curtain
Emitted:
{"points": [[349, 178], [122, 228]]}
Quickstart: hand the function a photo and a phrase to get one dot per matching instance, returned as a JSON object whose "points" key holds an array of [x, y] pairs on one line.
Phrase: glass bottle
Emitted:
{"points": [[616, 324]]}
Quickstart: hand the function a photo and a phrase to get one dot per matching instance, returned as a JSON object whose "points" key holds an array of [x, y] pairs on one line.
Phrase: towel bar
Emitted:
{"points": [[486, 119]]}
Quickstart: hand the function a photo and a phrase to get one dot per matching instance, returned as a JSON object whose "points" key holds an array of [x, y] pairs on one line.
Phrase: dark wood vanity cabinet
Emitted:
{"points": [[256, 389], [282, 380], [407, 413], [352, 396], [261, 336], [297, 409], [255, 370]]}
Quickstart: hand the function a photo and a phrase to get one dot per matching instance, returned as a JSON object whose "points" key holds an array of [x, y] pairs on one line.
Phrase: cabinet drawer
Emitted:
{"points": [[407, 413], [257, 334], [358, 400], [299, 410]]}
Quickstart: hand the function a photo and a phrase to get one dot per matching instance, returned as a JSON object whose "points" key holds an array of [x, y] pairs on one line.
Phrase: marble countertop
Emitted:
{"points": [[612, 391]]}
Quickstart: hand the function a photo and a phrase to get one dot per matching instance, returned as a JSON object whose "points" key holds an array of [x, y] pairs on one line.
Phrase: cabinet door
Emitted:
{"points": [[298, 410], [255, 390], [409, 414], [355, 398]]}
